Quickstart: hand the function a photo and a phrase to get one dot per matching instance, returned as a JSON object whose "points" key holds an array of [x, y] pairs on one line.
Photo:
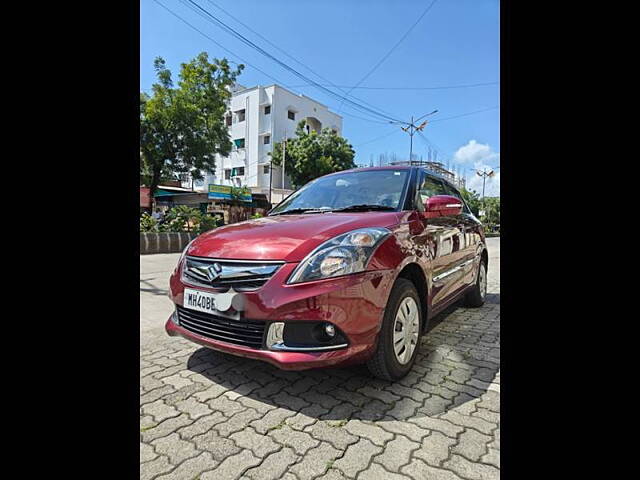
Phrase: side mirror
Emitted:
{"points": [[442, 206]]}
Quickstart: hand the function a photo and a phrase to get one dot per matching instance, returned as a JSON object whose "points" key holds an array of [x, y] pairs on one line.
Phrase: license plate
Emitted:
{"points": [[200, 301]]}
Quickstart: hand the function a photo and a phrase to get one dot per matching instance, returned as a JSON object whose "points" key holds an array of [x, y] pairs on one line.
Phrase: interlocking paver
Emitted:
{"points": [[191, 468], [146, 453], [472, 470], [274, 466], [377, 472], [219, 447], [155, 467], [373, 432], [397, 453], [492, 457], [472, 445], [175, 448], [315, 462], [232, 467], [201, 425], [301, 442], [435, 449], [207, 415], [417, 469], [357, 458], [260, 445], [332, 433]]}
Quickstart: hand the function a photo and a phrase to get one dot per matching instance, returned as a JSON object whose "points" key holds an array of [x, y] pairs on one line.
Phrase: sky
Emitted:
{"points": [[456, 43]]}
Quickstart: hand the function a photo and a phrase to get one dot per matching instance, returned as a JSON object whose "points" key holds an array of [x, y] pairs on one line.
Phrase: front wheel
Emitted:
{"points": [[476, 297], [399, 336]]}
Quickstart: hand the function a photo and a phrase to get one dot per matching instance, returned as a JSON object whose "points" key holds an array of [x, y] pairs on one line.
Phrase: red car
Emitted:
{"points": [[348, 269]]}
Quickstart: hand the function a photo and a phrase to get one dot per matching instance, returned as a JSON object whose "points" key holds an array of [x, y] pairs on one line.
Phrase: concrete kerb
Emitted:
{"points": [[166, 242]]}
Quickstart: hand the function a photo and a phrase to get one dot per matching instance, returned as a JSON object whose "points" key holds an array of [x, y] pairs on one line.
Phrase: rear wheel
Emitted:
{"points": [[399, 336], [476, 297]]}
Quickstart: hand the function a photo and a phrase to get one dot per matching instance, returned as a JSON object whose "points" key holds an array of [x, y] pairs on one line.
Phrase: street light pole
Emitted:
{"points": [[484, 174], [411, 129]]}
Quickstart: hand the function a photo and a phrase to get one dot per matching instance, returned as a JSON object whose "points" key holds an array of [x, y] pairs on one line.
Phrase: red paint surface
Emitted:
{"points": [[354, 303]]}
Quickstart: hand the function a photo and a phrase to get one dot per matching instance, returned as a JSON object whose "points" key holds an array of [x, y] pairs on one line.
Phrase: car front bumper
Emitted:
{"points": [[354, 304]]}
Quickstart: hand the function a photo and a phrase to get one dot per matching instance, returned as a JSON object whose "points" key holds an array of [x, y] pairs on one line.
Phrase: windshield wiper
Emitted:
{"points": [[303, 210], [363, 207]]}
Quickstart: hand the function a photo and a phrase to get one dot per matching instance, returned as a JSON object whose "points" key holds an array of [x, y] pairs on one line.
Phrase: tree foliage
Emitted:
{"points": [[182, 128], [311, 155], [472, 199]]}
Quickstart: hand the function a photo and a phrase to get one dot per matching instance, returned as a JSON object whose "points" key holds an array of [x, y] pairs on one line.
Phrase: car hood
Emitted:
{"points": [[283, 237]]}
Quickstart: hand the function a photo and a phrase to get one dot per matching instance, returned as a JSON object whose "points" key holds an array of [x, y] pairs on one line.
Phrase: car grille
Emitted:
{"points": [[247, 333], [242, 276]]}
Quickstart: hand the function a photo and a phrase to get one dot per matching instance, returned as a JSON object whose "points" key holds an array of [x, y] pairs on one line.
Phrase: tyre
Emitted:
{"points": [[475, 298], [399, 336]]}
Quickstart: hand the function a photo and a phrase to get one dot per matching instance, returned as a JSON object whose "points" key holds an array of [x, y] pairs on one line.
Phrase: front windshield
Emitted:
{"points": [[369, 189]]}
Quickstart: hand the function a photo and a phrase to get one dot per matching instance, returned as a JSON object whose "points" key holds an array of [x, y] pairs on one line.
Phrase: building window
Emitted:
{"points": [[227, 120], [267, 110], [227, 174], [239, 142], [237, 172], [240, 116], [267, 139], [291, 115], [265, 169]]}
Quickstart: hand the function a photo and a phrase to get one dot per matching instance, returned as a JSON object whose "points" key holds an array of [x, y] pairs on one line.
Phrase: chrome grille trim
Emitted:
{"points": [[242, 275]]}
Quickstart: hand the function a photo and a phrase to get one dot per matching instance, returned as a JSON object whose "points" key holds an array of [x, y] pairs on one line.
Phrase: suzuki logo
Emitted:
{"points": [[214, 271]]}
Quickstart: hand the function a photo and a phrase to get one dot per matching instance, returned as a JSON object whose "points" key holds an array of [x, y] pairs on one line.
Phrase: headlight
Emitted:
{"points": [[342, 255]]}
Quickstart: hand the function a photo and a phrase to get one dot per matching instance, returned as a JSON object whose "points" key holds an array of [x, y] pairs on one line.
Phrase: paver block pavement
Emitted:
{"points": [[208, 415]]}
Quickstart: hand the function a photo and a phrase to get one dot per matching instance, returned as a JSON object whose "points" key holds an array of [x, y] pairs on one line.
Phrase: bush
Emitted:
{"points": [[179, 219], [148, 223], [256, 215], [207, 222]]}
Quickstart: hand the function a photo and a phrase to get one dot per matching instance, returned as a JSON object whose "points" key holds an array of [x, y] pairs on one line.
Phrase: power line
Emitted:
{"points": [[395, 130], [248, 42], [392, 48], [244, 61], [408, 88], [466, 114], [211, 39], [330, 84]]}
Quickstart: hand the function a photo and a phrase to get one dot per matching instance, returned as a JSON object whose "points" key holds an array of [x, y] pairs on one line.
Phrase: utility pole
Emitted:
{"points": [[284, 154], [412, 128], [270, 179]]}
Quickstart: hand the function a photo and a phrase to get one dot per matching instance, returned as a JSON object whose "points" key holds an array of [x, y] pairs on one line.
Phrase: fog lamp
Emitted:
{"points": [[330, 330], [174, 316]]}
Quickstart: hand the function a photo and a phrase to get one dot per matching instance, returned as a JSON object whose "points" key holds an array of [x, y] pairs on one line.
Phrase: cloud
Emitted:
{"points": [[474, 152], [480, 155]]}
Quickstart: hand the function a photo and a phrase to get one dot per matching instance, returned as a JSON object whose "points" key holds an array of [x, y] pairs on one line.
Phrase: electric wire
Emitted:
{"points": [[285, 66], [375, 67]]}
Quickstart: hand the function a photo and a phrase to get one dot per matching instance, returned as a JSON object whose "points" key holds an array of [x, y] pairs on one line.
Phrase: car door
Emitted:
{"points": [[469, 239], [439, 239]]}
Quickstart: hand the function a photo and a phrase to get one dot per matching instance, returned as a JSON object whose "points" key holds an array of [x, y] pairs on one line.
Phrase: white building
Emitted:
{"points": [[257, 118]]}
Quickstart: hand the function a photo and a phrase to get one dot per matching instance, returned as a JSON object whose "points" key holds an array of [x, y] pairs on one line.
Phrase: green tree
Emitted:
{"points": [[472, 199], [492, 210], [182, 128], [311, 155]]}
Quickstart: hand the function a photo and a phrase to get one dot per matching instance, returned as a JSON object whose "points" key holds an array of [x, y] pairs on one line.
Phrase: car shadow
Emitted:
{"points": [[457, 361]]}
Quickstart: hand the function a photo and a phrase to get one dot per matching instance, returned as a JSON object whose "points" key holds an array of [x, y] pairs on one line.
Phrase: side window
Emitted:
{"points": [[428, 186], [452, 191]]}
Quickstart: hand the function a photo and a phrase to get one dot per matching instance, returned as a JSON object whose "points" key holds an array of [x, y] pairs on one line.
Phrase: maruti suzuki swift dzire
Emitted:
{"points": [[346, 270]]}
